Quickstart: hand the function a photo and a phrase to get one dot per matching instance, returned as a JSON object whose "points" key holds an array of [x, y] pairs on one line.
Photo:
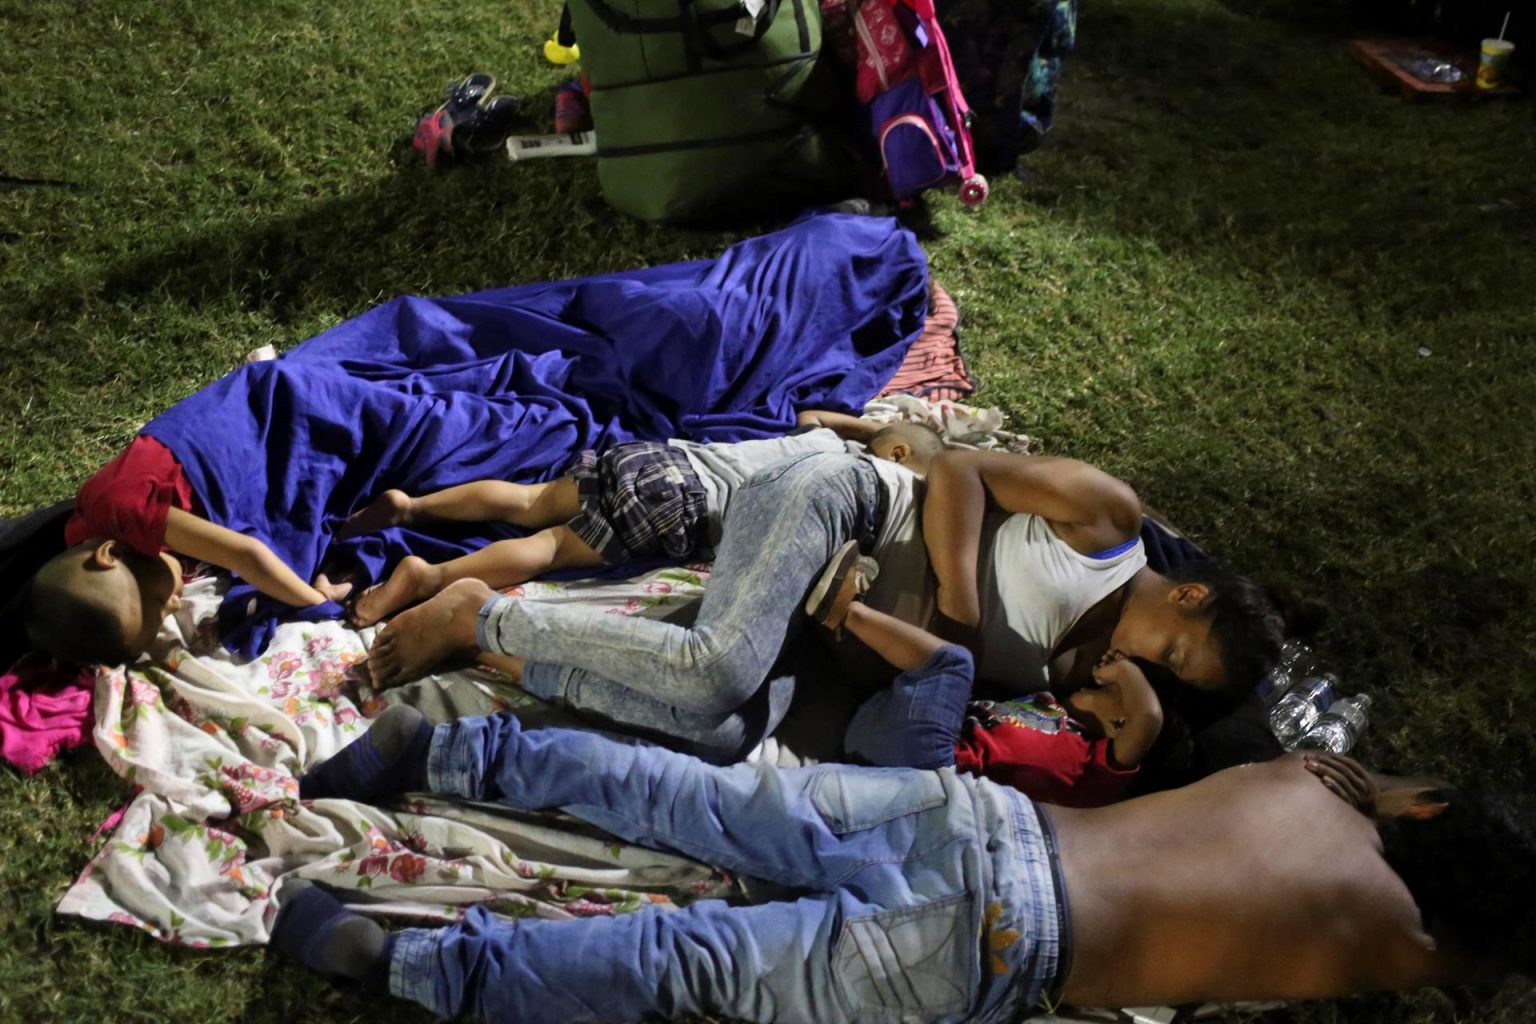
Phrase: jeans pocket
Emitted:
{"points": [[851, 798], [910, 964]]}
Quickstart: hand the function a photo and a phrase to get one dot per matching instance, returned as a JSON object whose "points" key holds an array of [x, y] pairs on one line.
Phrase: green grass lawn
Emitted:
{"points": [[1299, 315]]}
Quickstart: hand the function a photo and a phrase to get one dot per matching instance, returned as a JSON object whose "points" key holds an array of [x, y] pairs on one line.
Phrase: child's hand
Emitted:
{"points": [[1345, 779], [1139, 719], [1115, 669]]}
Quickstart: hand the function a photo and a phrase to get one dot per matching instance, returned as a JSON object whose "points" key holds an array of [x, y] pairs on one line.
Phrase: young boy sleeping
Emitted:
{"points": [[101, 601], [629, 502], [1081, 752]]}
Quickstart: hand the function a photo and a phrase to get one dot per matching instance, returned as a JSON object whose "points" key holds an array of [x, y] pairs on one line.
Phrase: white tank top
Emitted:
{"points": [[1033, 588]]}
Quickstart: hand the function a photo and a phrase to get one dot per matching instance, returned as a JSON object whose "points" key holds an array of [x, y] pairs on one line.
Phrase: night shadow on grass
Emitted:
{"points": [[413, 231], [468, 227]]}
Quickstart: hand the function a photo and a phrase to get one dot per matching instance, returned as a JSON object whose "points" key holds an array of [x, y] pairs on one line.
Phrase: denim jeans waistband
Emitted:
{"points": [[1023, 952]]}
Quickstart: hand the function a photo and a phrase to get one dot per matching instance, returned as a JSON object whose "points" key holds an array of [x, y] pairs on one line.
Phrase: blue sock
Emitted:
{"points": [[390, 758], [317, 930]]}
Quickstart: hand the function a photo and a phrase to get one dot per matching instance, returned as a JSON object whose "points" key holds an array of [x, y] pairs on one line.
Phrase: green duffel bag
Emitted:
{"points": [[703, 110]]}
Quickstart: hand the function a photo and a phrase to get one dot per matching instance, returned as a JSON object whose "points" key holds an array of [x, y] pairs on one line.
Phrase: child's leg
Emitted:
{"points": [[917, 721], [502, 564], [903, 645], [531, 505]]}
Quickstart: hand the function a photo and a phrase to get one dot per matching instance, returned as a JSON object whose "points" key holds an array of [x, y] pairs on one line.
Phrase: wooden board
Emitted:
{"points": [[1381, 58]]}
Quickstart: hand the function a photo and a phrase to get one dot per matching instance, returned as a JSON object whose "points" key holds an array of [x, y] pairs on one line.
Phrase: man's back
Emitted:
{"points": [[1255, 883]]}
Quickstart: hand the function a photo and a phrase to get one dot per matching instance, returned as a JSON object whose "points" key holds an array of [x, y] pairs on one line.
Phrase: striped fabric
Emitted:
{"points": [[934, 368]]}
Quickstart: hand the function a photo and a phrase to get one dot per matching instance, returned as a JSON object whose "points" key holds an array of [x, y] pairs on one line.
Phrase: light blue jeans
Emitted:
{"points": [[922, 895], [698, 682]]}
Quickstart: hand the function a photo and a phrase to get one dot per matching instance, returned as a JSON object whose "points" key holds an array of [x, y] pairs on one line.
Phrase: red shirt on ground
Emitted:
{"points": [[130, 497], [1033, 745]]}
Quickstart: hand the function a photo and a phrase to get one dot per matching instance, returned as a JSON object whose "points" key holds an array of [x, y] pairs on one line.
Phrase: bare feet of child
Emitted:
{"points": [[414, 579], [435, 631], [392, 508]]}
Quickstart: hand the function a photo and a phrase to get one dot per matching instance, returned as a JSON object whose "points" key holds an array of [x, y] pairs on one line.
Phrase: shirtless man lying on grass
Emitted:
{"points": [[934, 896]]}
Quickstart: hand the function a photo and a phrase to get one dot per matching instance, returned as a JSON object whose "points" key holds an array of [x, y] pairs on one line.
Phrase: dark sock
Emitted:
{"points": [[317, 930], [390, 758]]}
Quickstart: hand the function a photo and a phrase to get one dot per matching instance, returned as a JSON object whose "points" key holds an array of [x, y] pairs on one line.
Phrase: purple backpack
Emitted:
{"points": [[920, 121]]}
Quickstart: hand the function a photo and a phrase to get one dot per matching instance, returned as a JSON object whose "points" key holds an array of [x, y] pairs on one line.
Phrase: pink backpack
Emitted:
{"points": [[906, 80]]}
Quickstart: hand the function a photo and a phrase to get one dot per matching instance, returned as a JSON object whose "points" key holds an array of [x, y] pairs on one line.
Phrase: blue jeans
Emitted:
{"points": [[916, 722], [779, 531], [923, 895]]}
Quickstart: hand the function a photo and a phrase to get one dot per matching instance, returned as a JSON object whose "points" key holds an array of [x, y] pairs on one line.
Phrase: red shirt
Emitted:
{"points": [[129, 498], [1033, 745]]}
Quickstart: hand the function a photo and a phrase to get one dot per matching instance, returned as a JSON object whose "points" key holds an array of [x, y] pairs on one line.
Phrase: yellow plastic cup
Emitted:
{"points": [[1493, 63]]}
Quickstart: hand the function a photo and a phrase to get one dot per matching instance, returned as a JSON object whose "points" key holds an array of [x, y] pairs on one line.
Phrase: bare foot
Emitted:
{"points": [[418, 639], [389, 509], [414, 579], [332, 591]]}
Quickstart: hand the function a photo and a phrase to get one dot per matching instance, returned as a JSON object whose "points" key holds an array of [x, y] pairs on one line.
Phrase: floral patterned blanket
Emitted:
{"points": [[215, 748]]}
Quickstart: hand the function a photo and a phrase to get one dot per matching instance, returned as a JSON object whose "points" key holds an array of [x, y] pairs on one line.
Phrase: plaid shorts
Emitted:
{"points": [[639, 500]]}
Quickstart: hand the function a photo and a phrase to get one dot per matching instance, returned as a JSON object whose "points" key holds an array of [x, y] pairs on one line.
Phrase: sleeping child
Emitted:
{"points": [[101, 601], [630, 502], [1081, 752]]}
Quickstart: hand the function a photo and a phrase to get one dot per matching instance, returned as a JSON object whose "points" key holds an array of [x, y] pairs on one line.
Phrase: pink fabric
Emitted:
{"points": [[116, 817], [44, 709]]}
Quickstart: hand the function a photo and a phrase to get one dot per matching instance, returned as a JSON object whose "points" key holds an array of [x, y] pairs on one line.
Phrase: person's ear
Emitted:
{"points": [[1190, 596], [900, 451], [104, 555]]}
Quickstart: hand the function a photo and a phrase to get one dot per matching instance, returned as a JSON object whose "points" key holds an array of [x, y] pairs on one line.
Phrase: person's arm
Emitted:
{"points": [[244, 556], [849, 428], [1373, 794], [1141, 712], [1088, 508], [902, 645]]}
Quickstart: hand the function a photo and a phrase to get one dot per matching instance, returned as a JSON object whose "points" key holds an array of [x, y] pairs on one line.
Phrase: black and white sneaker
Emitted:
{"points": [[470, 121], [847, 577]]}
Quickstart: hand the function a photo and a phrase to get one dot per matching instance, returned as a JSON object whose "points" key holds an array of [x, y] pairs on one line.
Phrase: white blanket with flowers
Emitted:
{"points": [[215, 748]]}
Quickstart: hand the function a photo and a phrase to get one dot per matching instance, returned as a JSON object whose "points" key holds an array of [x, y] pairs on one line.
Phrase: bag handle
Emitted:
{"points": [[629, 25], [765, 19]]}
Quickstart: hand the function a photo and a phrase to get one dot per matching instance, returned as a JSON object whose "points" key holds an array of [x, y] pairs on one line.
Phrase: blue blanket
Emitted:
{"points": [[511, 383]]}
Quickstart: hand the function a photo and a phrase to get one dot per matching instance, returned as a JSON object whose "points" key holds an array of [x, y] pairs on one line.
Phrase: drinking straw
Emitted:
{"points": [[1504, 26]]}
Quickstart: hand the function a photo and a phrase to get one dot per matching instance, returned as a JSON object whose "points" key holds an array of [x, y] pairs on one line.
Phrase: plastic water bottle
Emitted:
{"points": [[1339, 729], [1275, 685], [1300, 709], [1295, 663], [1297, 658]]}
